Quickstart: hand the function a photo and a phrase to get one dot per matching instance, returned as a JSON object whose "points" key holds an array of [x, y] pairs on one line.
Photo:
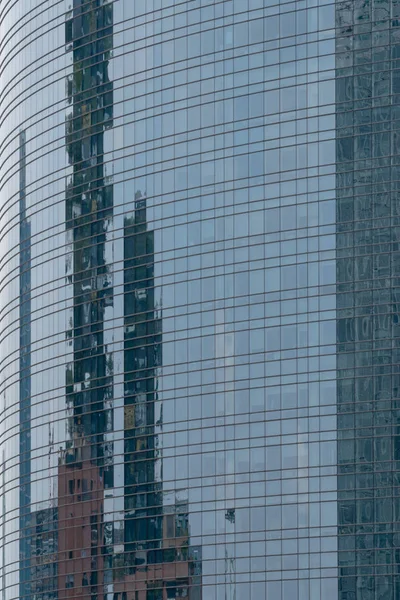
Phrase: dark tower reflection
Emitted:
{"points": [[142, 357], [159, 561], [25, 384], [83, 472]]}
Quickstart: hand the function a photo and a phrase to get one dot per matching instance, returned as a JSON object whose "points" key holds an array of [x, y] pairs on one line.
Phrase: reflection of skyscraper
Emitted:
{"points": [[88, 209], [25, 373], [80, 530], [158, 557], [142, 358], [84, 471]]}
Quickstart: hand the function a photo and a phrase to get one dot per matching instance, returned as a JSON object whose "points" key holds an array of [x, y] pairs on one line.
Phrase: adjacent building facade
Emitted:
{"points": [[367, 268], [199, 305]]}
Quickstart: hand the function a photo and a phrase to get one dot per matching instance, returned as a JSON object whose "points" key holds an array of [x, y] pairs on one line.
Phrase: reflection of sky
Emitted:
{"points": [[48, 428], [114, 315], [242, 380], [23, 75]]}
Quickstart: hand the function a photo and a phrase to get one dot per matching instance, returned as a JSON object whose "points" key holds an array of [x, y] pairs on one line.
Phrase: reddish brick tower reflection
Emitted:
{"points": [[173, 573], [80, 537]]}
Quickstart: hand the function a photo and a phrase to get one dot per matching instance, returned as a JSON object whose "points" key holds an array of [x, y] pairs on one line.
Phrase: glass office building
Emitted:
{"points": [[199, 299]]}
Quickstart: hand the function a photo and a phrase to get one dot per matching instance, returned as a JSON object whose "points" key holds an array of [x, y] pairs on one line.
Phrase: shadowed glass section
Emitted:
{"points": [[25, 385]]}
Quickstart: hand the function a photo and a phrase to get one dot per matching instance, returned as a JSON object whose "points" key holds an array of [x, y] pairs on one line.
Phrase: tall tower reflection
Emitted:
{"points": [[84, 472], [142, 358], [159, 560], [25, 385]]}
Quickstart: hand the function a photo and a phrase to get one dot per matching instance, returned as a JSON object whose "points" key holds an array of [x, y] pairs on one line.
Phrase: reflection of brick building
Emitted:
{"points": [[80, 528], [173, 571]]}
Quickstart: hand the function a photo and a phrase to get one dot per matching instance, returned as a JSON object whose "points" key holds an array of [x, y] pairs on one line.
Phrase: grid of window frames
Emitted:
{"points": [[198, 302]]}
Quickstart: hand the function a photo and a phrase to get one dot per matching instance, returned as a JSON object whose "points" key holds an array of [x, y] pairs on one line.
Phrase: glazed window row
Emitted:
{"points": [[200, 35], [221, 107], [159, 53], [313, 209], [309, 363], [181, 202]]}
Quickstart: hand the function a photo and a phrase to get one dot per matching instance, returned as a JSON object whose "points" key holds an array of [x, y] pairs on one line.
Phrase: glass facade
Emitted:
{"points": [[199, 387]]}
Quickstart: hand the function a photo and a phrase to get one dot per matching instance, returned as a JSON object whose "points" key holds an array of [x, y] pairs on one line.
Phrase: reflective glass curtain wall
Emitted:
{"points": [[198, 299]]}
